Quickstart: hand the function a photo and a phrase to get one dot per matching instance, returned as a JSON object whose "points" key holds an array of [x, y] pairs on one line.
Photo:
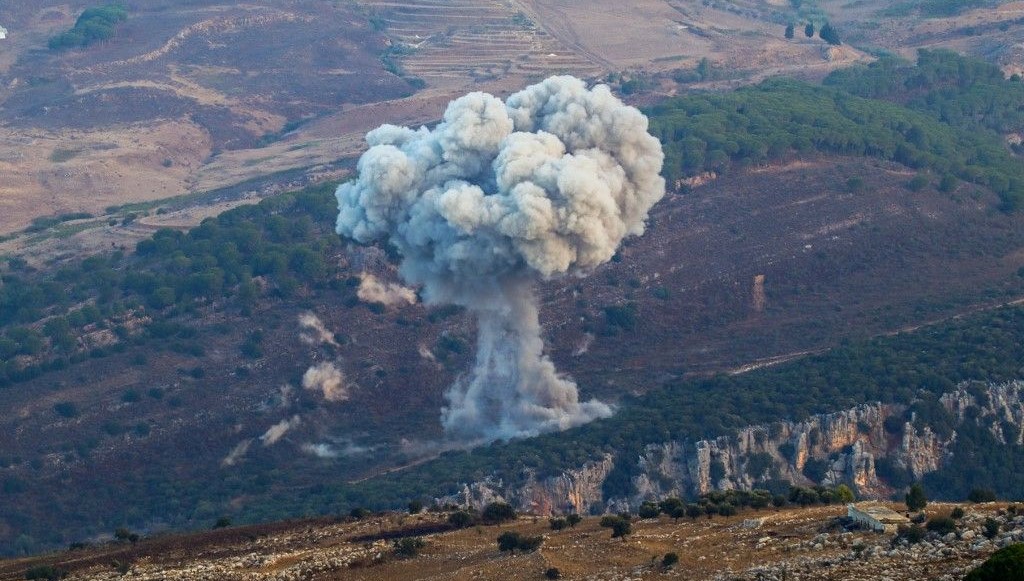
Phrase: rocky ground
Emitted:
{"points": [[809, 543]]}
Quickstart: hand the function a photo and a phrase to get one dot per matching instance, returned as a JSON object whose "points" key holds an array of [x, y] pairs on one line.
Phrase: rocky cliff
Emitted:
{"points": [[845, 447]]}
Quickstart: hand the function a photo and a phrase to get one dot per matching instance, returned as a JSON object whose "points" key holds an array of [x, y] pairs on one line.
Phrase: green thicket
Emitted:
{"points": [[285, 241], [946, 131], [1006, 564], [93, 25]]}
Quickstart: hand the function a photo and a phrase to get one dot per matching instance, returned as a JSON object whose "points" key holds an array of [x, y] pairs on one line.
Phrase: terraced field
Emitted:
{"points": [[452, 41]]}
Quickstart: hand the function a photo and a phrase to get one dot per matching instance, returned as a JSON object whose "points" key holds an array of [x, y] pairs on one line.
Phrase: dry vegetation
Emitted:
{"points": [[773, 544]]}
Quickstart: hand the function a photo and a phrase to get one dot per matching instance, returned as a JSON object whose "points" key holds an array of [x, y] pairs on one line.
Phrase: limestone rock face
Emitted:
{"points": [[828, 449]]}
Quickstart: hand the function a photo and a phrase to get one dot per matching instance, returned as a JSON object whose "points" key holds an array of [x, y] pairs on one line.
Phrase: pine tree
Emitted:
{"points": [[809, 30], [789, 30], [829, 34], [916, 500]]}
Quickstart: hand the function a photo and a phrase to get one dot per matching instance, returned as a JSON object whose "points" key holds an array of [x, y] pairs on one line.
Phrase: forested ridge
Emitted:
{"points": [[948, 126]]}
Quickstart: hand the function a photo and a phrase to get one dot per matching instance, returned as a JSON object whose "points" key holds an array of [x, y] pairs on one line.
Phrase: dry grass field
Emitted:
{"points": [[794, 543]]}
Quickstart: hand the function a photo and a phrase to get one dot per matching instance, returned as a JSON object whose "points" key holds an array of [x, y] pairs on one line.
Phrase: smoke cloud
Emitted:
{"points": [[326, 378], [497, 196], [278, 430], [312, 331], [372, 290], [237, 453]]}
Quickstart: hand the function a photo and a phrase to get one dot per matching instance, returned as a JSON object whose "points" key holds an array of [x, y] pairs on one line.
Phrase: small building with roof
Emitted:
{"points": [[876, 517], [3, 33]]}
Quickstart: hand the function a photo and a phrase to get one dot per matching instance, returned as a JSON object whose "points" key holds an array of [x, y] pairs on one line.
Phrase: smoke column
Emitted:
{"points": [[498, 196]]}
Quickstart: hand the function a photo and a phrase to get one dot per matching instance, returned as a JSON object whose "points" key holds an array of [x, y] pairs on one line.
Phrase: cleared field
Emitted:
{"points": [[474, 40]]}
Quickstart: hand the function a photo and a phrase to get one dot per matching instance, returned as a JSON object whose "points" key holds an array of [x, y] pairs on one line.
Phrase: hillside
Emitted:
{"points": [[252, 367], [791, 543]]}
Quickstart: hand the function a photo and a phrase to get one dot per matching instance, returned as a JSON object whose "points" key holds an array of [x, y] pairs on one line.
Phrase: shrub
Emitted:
{"points": [[552, 573], [648, 510], [669, 560], [573, 519], [497, 512], [415, 507], [510, 541], [66, 409], [460, 519], [958, 513], [558, 524], [222, 523], [1006, 564], [942, 525], [409, 546], [359, 513], [991, 528], [912, 534]]}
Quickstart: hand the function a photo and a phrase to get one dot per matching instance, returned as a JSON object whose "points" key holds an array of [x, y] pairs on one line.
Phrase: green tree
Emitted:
{"points": [[415, 506], [916, 499], [829, 34], [844, 494], [621, 528], [648, 510], [1006, 564], [498, 512], [460, 519], [789, 30], [508, 541], [809, 30]]}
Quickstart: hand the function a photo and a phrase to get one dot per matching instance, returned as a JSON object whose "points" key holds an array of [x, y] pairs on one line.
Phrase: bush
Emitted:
{"points": [[913, 534], [498, 512], [669, 560], [558, 524], [222, 522], [942, 525], [409, 546], [991, 528], [648, 510], [1006, 564], [958, 513], [460, 519], [552, 573], [358, 513], [415, 507], [917, 183], [510, 541], [66, 409], [573, 519]]}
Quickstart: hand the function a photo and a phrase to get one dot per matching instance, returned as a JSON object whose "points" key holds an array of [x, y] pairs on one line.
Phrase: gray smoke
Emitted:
{"points": [[495, 197]]}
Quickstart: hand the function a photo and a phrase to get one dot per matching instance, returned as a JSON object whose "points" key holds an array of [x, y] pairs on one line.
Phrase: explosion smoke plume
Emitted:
{"points": [[497, 196]]}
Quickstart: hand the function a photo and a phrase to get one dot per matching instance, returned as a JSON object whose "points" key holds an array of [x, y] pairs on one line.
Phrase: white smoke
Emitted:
{"points": [[372, 290], [312, 331], [278, 430], [326, 378], [329, 450], [237, 453], [498, 195]]}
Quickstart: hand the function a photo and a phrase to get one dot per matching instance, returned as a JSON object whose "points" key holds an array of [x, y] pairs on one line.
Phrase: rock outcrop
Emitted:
{"points": [[829, 449]]}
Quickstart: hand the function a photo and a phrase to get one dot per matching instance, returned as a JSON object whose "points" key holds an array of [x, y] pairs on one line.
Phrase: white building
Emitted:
{"points": [[3, 33], [876, 517]]}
